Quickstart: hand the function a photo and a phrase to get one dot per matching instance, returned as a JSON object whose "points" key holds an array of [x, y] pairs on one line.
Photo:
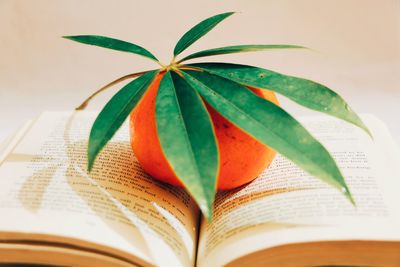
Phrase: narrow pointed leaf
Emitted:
{"points": [[269, 124], [198, 31], [187, 139], [113, 44], [304, 92], [238, 49], [114, 114]]}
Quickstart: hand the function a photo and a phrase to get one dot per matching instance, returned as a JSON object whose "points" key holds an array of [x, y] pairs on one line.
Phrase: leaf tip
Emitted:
{"points": [[228, 14], [75, 38], [302, 47], [90, 162], [368, 131], [358, 122], [231, 13], [225, 14], [90, 165], [345, 190], [207, 212], [92, 151], [351, 199]]}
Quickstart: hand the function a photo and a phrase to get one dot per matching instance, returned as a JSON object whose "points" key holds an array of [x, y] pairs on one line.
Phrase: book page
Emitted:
{"points": [[47, 195], [9, 143], [286, 205]]}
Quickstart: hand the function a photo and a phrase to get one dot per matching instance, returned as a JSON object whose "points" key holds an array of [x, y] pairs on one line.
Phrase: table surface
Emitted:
{"points": [[356, 48]]}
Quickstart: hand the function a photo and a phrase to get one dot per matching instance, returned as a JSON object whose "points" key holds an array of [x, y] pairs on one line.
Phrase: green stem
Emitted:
{"points": [[123, 78]]}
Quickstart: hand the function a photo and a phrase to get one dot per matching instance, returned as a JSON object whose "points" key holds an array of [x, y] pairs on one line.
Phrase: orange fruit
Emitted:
{"points": [[242, 158]]}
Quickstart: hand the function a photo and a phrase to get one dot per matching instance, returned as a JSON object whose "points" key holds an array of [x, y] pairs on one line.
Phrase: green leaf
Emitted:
{"points": [[269, 124], [237, 49], [304, 92], [112, 43], [187, 139], [114, 114], [198, 31]]}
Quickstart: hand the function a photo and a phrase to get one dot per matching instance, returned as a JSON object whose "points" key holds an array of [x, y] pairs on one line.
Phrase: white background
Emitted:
{"points": [[356, 48]]}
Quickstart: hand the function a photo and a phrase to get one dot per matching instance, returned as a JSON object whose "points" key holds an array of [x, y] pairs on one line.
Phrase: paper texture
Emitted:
{"points": [[46, 190], [286, 205]]}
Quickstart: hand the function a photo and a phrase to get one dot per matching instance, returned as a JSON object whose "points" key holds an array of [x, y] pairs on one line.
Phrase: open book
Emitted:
{"points": [[54, 212]]}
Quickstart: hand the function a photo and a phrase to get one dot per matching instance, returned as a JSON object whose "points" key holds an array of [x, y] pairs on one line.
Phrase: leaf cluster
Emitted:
{"points": [[185, 129]]}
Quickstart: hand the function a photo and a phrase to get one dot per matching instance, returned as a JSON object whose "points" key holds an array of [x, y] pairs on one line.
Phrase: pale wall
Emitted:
{"points": [[357, 45]]}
